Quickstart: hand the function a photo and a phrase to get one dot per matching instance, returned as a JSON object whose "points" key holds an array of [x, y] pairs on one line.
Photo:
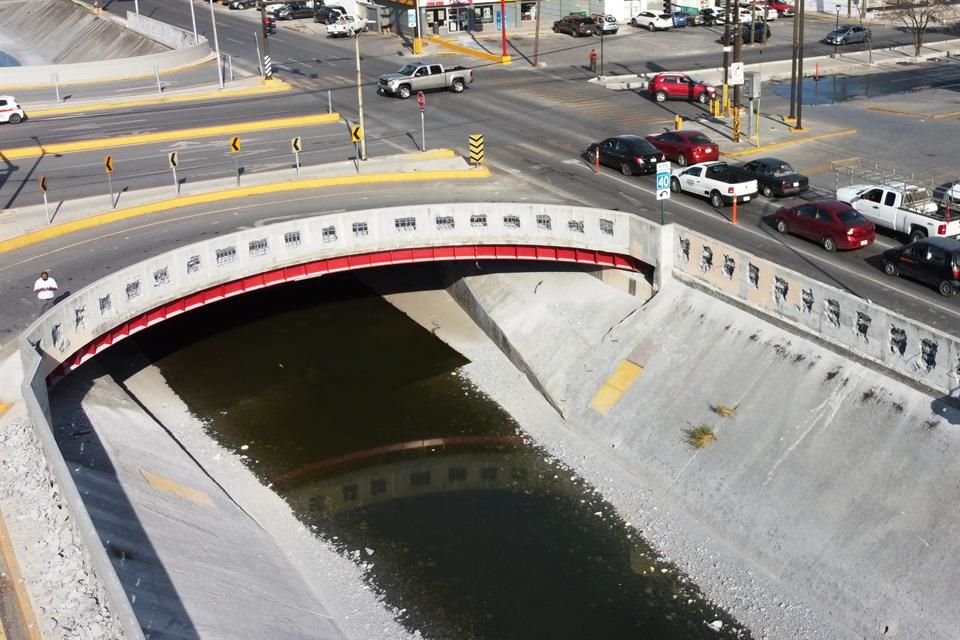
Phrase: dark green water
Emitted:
{"points": [[475, 536]]}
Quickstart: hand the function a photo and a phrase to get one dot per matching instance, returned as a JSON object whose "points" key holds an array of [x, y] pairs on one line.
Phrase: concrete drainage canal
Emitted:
{"points": [[364, 422]]}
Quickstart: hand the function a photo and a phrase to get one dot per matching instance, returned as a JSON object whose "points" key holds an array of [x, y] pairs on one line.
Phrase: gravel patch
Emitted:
{"points": [[68, 600]]}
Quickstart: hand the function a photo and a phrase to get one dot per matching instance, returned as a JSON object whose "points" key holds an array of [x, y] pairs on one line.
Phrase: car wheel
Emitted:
{"points": [[592, 156], [403, 91], [556, 30], [716, 200], [682, 160], [651, 27], [782, 226], [674, 185], [625, 169], [457, 86], [661, 96], [917, 234], [946, 288], [829, 244], [767, 191], [14, 118], [890, 269], [703, 98]]}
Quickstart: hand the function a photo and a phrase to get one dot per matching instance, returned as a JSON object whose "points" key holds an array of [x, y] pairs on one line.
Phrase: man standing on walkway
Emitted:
{"points": [[46, 288]]}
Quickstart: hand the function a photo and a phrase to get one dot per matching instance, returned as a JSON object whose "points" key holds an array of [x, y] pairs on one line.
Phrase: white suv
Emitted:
{"points": [[10, 111], [605, 24]]}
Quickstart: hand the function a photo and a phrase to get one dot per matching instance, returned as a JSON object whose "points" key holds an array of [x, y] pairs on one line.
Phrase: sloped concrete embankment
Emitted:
{"points": [[834, 485], [192, 563], [61, 32]]}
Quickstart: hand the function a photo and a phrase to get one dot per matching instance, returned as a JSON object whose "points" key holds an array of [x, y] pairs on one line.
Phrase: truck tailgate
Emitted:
{"points": [[746, 188]]}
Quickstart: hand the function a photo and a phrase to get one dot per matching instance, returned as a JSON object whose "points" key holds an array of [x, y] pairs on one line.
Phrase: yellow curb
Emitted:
{"points": [[915, 114], [788, 143], [4, 407], [167, 136], [266, 87], [57, 231], [16, 580], [459, 48]]}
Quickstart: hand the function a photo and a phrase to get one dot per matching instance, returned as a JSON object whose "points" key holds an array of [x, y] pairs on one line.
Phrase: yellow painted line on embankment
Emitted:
{"points": [[66, 228], [265, 88], [232, 129], [459, 48], [16, 581], [788, 143], [615, 386]]}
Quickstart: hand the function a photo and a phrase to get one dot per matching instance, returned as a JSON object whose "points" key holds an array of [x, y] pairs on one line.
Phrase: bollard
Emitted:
{"points": [[734, 210], [677, 122]]}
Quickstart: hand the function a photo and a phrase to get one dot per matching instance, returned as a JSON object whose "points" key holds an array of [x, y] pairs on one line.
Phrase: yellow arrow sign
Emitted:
{"points": [[235, 144], [356, 133], [173, 159], [296, 145], [43, 184], [108, 164]]}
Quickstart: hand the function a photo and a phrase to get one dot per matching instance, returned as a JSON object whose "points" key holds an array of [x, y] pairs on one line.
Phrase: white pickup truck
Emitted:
{"points": [[346, 26], [713, 180], [901, 207]]}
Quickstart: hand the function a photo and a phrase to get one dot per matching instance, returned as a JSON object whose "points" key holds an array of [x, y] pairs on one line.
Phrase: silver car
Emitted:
{"points": [[848, 34]]}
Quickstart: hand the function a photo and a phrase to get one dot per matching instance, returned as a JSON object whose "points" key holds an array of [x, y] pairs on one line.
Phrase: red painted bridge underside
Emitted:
{"points": [[318, 268]]}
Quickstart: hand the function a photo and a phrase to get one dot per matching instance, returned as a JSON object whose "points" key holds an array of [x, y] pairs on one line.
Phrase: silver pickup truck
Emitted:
{"points": [[418, 76]]}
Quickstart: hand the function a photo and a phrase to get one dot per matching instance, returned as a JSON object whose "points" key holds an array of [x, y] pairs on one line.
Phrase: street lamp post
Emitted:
{"points": [[363, 136], [418, 40], [836, 35], [216, 44], [503, 30], [136, 6], [193, 17]]}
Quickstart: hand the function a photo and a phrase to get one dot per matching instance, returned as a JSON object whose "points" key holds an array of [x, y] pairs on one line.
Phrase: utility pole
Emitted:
{"points": [[267, 68], [536, 39], [193, 18], [216, 44], [799, 125], [363, 139], [737, 58], [795, 57], [726, 58]]}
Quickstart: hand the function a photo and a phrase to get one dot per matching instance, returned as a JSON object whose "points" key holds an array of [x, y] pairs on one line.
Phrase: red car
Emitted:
{"points": [[685, 147], [679, 86], [835, 225], [785, 10]]}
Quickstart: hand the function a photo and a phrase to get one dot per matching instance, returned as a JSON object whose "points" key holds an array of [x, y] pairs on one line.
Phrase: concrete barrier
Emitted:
{"points": [[908, 349], [173, 37]]}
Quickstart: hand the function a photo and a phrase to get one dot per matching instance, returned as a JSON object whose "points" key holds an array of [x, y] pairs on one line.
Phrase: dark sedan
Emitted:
{"points": [[685, 147], [776, 178], [291, 12], [328, 14], [576, 26], [933, 261], [760, 32], [629, 154], [835, 225]]}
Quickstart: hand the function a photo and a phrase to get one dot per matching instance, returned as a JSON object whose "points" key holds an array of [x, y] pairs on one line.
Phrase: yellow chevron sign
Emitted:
{"points": [[476, 148]]}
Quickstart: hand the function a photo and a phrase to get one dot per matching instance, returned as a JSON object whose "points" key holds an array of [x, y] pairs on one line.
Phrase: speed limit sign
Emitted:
{"points": [[421, 100]]}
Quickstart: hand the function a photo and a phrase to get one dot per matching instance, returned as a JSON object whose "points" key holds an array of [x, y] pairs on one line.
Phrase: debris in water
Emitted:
{"points": [[716, 625], [244, 447]]}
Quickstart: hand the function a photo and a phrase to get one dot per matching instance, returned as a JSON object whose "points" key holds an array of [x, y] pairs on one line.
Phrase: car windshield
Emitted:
{"points": [[700, 139], [782, 169], [851, 217], [408, 69]]}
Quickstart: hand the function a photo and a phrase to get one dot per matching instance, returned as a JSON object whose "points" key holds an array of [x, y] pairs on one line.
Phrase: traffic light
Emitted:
{"points": [[667, 7], [269, 26]]}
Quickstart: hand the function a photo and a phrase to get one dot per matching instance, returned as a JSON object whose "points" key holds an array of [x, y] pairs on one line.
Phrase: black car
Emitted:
{"points": [[292, 11], [710, 17], [775, 178], [328, 14], [629, 154], [933, 261], [576, 26], [760, 31]]}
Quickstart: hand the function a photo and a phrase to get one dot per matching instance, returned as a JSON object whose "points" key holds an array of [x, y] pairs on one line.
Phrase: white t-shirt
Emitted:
{"points": [[45, 288]]}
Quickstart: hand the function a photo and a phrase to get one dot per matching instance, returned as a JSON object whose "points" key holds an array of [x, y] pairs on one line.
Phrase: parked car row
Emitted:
{"points": [[599, 24]]}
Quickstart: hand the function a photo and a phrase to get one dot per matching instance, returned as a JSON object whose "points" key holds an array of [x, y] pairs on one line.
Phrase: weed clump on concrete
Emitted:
{"points": [[700, 437], [723, 410]]}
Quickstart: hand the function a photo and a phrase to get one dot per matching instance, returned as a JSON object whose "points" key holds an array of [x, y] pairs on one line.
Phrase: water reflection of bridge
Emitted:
{"points": [[418, 468]]}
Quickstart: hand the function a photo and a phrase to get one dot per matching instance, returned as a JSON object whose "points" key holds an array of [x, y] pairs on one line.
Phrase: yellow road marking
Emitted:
{"points": [[161, 483], [168, 136], [915, 114], [272, 87], [218, 196], [615, 386], [788, 143]]}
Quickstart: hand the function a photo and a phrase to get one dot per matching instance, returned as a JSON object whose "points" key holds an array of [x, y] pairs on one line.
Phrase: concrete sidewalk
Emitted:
{"points": [[25, 226]]}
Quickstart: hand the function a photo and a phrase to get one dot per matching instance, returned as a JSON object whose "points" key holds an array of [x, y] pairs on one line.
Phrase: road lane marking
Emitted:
{"points": [[168, 136], [787, 143]]}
